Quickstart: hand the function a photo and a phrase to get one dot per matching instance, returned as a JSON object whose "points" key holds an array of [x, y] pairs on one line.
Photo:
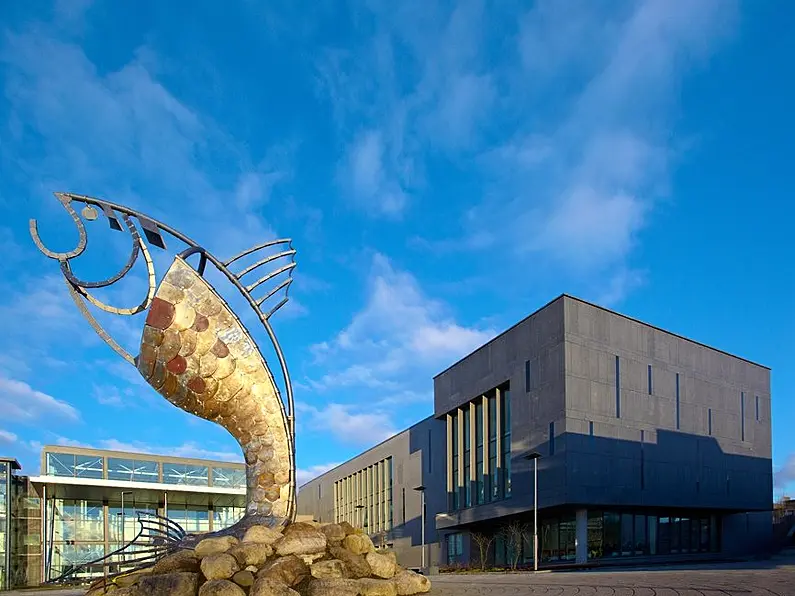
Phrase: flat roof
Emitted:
{"points": [[70, 450], [612, 312], [11, 460], [125, 484]]}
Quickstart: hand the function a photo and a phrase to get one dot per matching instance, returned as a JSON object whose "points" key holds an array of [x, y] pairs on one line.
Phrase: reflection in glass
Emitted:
{"points": [[130, 470], [88, 466], [595, 534], [223, 517], [229, 477], [612, 534], [189, 474]]}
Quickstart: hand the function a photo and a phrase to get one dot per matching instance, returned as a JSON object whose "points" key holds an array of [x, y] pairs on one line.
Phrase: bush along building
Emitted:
{"points": [[647, 447]]}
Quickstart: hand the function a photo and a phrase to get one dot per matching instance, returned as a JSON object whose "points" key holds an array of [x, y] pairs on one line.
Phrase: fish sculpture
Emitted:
{"points": [[196, 352]]}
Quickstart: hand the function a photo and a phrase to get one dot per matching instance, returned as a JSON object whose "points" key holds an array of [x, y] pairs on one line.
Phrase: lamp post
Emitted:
{"points": [[534, 455], [421, 490]]}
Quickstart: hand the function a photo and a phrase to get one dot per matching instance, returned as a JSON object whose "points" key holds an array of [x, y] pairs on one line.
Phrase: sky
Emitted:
{"points": [[443, 168]]}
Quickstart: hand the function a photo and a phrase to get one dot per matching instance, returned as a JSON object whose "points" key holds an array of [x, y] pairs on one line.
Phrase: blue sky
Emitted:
{"points": [[443, 168]]}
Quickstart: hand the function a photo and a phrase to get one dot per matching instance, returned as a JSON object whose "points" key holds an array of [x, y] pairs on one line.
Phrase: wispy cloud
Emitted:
{"points": [[348, 425], [22, 403], [784, 476], [304, 475]]}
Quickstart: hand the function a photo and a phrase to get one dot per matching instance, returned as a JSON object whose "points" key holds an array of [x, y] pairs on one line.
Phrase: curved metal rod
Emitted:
{"points": [[150, 294], [222, 267], [256, 248], [283, 284], [270, 275], [136, 246], [265, 261], [65, 200]]}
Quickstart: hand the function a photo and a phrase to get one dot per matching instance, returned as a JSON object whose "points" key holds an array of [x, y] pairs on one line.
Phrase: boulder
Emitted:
{"points": [[251, 553], [244, 578], [265, 586], [182, 560], [180, 583], [334, 532], [130, 579], [376, 587], [220, 566], [355, 565], [331, 569], [358, 544], [214, 546], [289, 570], [301, 539], [382, 565], [409, 582], [333, 587], [262, 535], [220, 587], [347, 528]]}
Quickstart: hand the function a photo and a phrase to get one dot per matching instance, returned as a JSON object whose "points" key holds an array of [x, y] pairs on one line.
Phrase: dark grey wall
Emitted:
{"points": [[681, 467]]}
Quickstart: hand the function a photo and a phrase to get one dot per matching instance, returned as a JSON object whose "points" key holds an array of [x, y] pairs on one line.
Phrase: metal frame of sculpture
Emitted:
{"points": [[199, 355]]}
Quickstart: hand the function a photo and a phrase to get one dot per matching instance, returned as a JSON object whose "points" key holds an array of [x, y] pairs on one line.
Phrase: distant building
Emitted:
{"points": [[82, 506], [651, 446]]}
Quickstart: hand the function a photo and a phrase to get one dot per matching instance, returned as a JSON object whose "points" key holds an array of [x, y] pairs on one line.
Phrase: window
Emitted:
{"points": [[505, 422], [618, 388], [642, 461], [455, 548], [552, 438], [403, 505], [456, 491], [742, 416], [650, 385], [677, 401], [590, 428], [757, 408], [229, 477], [76, 466], [709, 421], [187, 474], [493, 488], [467, 456], [480, 495], [526, 376]]}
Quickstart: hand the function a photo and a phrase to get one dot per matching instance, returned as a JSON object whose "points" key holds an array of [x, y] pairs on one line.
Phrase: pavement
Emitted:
{"points": [[764, 578], [758, 578]]}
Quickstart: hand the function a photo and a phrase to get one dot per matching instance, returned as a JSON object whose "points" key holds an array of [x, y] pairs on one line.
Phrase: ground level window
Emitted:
{"points": [[455, 548]]}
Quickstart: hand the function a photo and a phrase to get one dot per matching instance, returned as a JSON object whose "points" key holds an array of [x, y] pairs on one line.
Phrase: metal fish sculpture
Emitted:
{"points": [[195, 352]]}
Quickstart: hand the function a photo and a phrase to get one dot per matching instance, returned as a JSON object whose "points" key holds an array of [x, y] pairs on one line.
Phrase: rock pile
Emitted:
{"points": [[307, 559]]}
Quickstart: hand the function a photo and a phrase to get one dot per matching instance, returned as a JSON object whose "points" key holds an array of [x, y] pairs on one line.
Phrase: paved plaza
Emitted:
{"points": [[762, 579]]}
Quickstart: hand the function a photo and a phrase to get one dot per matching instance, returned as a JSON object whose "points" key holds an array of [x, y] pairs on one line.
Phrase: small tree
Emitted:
{"points": [[483, 542], [514, 534]]}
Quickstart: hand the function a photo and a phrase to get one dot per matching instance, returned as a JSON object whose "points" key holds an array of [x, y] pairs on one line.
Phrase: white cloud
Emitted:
{"points": [[347, 425], [400, 332], [7, 438], [21, 403], [304, 475]]}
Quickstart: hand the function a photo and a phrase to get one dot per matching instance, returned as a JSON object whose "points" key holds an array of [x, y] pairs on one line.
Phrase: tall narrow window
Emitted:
{"points": [[480, 495], [677, 401], [467, 462], [552, 438], [526, 376], [403, 505], [650, 387], [757, 408], [456, 462], [709, 421], [590, 428], [618, 388], [642, 461], [742, 416], [493, 488], [505, 424]]}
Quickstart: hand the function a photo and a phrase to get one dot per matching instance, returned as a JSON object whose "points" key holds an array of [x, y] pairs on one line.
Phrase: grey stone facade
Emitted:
{"points": [[694, 437]]}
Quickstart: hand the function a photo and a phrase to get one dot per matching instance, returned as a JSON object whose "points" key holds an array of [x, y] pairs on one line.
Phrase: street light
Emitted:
{"points": [[534, 455], [421, 490]]}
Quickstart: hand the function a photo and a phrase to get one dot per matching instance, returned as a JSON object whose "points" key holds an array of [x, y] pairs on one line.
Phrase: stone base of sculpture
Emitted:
{"points": [[305, 559]]}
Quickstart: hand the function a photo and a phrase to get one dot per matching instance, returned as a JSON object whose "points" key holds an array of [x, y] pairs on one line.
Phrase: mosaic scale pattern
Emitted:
{"points": [[198, 355]]}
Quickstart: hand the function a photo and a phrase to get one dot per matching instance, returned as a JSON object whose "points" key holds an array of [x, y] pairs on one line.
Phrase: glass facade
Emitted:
{"points": [[143, 469], [364, 498]]}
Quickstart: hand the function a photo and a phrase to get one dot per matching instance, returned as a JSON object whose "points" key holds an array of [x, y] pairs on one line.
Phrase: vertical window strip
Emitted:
{"points": [[677, 401], [590, 428], [526, 376], [742, 416], [650, 382], [757, 408], [618, 388], [642, 460], [709, 421]]}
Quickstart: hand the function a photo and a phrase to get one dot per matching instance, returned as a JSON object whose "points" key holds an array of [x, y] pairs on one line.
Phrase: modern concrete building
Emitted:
{"points": [[649, 445], [83, 504]]}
